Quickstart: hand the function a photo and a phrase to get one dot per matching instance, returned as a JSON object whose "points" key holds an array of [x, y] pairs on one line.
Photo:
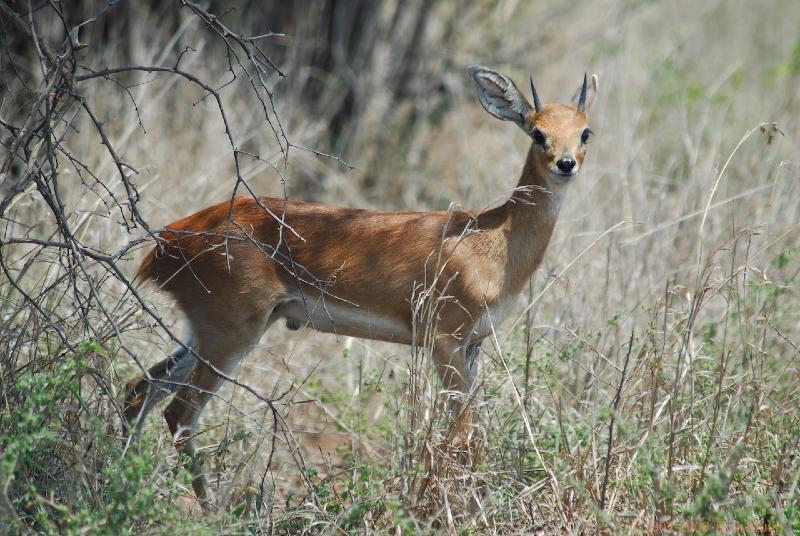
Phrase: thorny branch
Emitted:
{"points": [[70, 288]]}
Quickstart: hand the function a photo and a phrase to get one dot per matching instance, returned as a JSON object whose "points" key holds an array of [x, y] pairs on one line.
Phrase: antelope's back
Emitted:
{"points": [[277, 245]]}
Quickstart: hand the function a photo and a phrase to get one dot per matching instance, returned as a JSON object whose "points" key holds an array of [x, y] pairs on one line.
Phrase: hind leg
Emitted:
{"points": [[181, 416], [143, 392], [222, 345]]}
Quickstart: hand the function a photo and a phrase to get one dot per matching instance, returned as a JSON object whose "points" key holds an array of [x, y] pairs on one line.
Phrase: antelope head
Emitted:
{"points": [[559, 132]]}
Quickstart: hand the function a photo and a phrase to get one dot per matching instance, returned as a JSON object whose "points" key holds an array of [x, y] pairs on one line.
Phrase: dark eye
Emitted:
{"points": [[538, 137], [585, 135]]}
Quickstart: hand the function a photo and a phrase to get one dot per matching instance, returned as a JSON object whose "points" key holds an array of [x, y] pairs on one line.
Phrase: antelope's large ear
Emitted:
{"points": [[499, 96], [591, 87]]}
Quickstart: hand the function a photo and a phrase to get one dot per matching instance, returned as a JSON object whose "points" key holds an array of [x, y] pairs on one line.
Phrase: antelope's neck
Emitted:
{"points": [[528, 220]]}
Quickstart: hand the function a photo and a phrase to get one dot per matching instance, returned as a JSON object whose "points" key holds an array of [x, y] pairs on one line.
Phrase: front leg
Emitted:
{"points": [[473, 350], [449, 355], [455, 364]]}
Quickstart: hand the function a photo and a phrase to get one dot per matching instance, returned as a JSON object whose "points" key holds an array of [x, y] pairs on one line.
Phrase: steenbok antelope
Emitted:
{"points": [[235, 269]]}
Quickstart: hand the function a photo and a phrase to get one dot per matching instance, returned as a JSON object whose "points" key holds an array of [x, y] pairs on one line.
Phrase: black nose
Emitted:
{"points": [[566, 163]]}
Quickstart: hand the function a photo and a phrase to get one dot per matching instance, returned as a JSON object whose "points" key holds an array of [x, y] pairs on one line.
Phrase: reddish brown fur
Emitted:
{"points": [[343, 248], [369, 264], [563, 126]]}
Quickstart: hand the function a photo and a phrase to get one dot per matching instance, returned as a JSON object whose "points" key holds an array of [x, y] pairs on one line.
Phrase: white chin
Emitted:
{"points": [[563, 177]]}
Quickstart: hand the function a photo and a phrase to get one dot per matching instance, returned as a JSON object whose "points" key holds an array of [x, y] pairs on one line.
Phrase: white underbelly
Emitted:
{"points": [[333, 316]]}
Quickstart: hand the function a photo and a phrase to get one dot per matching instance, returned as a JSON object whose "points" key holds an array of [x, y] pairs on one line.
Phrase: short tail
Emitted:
{"points": [[143, 392], [148, 267]]}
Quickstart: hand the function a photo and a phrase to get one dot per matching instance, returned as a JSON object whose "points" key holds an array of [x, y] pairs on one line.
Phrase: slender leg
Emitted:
{"points": [[450, 357], [473, 350], [143, 392], [223, 347], [222, 339], [454, 363], [181, 416]]}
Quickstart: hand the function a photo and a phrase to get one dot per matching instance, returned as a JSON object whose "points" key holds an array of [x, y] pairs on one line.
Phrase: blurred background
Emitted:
{"points": [[677, 246]]}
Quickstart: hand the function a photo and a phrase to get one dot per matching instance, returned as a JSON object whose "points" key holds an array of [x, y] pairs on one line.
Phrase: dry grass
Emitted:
{"points": [[649, 378]]}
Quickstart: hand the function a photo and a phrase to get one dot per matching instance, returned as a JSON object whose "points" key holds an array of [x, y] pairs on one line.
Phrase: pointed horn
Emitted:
{"points": [[536, 104], [582, 99]]}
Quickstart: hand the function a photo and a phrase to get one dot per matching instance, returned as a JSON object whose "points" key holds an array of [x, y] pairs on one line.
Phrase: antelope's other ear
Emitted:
{"points": [[499, 96], [591, 86]]}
